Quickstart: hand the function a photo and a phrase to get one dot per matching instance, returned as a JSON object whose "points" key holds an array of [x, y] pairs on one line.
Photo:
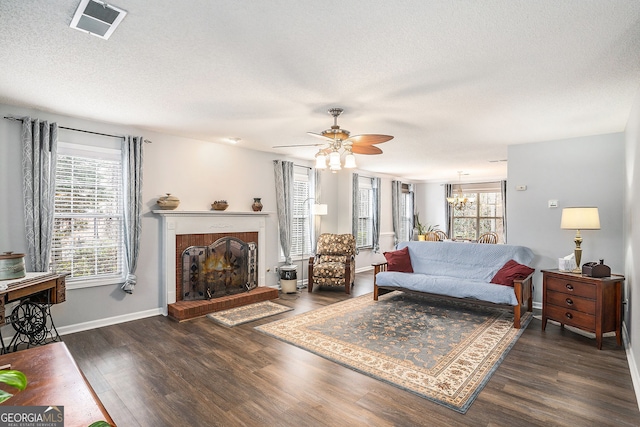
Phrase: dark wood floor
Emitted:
{"points": [[157, 372]]}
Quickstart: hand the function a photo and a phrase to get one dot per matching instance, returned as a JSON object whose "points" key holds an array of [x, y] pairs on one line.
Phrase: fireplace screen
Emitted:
{"points": [[226, 267]]}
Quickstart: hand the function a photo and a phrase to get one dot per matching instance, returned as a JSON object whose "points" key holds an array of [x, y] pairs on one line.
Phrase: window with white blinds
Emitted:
{"points": [[88, 240], [406, 214], [364, 238], [301, 238]]}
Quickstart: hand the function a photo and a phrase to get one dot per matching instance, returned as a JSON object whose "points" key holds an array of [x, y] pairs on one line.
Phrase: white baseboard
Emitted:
{"points": [[79, 327], [633, 365], [363, 269]]}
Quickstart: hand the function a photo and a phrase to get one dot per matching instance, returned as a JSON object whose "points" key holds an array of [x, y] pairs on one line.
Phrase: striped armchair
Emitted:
{"points": [[334, 262]]}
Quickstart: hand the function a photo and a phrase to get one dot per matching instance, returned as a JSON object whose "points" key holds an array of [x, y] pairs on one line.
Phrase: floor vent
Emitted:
{"points": [[97, 18]]}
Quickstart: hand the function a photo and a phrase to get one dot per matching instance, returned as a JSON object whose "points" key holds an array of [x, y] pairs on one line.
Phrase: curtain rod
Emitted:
{"points": [[80, 130]]}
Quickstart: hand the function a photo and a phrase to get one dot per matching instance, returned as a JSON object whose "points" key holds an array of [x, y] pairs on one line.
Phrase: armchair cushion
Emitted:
{"points": [[321, 259]]}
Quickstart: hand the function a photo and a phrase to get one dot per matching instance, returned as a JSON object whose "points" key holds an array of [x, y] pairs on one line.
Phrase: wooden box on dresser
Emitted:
{"points": [[588, 303]]}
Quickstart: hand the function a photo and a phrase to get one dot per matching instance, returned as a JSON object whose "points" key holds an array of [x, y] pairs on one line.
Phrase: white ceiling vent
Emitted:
{"points": [[97, 18]]}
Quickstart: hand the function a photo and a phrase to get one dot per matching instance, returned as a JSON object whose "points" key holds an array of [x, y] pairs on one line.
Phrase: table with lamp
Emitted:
{"points": [[317, 209], [592, 304]]}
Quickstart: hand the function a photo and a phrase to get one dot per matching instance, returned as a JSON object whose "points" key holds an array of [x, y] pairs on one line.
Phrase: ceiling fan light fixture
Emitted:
{"points": [[321, 160], [334, 161], [339, 145], [336, 134], [350, 161]]}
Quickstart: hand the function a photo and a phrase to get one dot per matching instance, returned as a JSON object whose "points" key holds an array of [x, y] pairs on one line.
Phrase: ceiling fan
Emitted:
{"points": [[337, 139]]}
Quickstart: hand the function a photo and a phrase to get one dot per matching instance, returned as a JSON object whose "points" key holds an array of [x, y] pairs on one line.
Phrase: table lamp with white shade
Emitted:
{"points": [[317, 209], [579, 218]]}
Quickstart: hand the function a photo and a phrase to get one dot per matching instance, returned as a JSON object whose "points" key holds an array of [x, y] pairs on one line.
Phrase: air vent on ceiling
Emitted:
{"points": [[97, 18]]}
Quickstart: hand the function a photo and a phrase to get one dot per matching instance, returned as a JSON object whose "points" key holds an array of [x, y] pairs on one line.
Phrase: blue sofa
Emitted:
{"points": [[460, 270]]}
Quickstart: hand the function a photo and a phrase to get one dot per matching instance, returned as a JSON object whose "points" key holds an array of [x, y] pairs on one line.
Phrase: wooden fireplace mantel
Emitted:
{"points": [[169, 212]]}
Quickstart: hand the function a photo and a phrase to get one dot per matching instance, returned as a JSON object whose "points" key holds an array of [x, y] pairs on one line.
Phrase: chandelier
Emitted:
{"points": [[458, 200]]}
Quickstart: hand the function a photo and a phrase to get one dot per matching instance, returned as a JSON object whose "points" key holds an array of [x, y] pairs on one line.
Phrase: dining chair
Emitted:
{"points": [[488, 238]]}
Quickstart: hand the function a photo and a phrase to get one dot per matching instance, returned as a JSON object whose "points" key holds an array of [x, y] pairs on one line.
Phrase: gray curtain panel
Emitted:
{"points": [[376, 214], [39, 158], [448, 191], [396, 197], [412, 220], [132, 157], [503, 189], [284, 203], [317, 220], [355, 205]]}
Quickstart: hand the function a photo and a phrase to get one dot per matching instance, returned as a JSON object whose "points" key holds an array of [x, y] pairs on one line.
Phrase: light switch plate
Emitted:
{"points": [[553, 203], [521, 187]]}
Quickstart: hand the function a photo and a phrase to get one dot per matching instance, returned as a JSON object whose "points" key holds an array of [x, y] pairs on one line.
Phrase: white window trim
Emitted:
{"points": [[366, 183], [476, 189], [73, 149], [300, 173]]}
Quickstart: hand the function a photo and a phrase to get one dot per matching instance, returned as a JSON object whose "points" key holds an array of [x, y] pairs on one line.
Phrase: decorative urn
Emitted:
{"points": [[256, 205]]}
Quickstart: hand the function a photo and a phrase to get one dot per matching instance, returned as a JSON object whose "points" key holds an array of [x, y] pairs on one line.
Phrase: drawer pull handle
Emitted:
{"points": [[569, 315], [569, 286], [569, 301]]}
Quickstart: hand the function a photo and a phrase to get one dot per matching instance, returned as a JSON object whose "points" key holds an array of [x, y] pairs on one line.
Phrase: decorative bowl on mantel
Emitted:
{"points": [[219, 205], [168, 202]]}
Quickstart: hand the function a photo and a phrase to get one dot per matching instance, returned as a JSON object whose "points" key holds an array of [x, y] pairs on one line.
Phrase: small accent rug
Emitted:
{"points": [[247, 313], [442, 350]]}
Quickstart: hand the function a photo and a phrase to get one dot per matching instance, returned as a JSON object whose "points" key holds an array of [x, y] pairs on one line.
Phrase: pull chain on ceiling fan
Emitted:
{"points": [[338, 139]]}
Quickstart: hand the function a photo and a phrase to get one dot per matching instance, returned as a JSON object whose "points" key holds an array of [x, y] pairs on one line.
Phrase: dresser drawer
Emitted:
{"points": [[571, 287], [572, 302], [571, 317]]}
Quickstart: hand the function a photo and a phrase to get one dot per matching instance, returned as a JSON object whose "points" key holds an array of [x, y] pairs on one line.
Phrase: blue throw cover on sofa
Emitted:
{"points": [[462, 270]]}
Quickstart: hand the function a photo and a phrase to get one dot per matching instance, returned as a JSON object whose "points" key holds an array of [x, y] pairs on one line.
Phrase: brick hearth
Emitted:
{"points": [[185, 310]]}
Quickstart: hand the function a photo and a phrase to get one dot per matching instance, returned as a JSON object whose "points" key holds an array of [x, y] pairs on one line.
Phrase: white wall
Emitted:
{"points": [[198, 172], [632, 241], [430, 204], [586, 171], [342, 183]]}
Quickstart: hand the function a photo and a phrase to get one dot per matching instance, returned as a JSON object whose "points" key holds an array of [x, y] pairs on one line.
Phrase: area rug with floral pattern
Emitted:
{"points": [[247, 313], [440, 349]]}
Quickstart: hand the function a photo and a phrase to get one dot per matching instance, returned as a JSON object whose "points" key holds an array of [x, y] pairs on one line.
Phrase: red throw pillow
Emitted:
{"points": [[399, 261], [511, 271]]}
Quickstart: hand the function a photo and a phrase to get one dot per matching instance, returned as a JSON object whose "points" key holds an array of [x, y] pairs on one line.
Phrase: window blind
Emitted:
{"points": [[365, 213], [300, 241], [88, 213]]}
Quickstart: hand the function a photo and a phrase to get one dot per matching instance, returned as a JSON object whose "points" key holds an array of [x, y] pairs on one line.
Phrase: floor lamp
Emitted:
{"points": [[314, 210]]}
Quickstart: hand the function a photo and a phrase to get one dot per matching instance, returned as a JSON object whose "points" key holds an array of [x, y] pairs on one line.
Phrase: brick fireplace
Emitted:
{"points": [[181, 229]]}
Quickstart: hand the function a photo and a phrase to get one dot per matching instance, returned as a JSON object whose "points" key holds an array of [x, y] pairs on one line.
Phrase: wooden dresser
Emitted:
{"points": [[587, 303]]}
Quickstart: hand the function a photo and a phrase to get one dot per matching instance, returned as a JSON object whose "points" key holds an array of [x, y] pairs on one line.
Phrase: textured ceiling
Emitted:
{"points": [[454, 81]]}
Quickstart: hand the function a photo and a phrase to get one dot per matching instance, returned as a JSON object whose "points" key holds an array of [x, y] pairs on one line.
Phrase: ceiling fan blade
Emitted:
{"points": [[317, 135], [299, 145], [369, 139], [365, 149]]}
